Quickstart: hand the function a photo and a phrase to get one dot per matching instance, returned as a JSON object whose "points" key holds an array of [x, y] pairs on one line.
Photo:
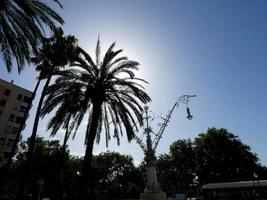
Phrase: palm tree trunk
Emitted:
{"points": [[86, 174], [5, 169], [27, 163]]}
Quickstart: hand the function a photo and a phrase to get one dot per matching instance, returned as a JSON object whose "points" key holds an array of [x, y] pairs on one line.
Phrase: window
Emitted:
{"points": [[7, 129], [10, 142], [15, 107], [27, 99], [7, 92], [15, 130], [2, 102], [11, 118], [19, 97], [19, 119], [23, 109]]}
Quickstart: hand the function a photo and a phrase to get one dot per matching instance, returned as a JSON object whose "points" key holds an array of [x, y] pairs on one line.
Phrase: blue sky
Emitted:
{"points": [[214, 49]]}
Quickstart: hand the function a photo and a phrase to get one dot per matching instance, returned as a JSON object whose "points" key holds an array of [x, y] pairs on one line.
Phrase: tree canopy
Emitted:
{"points": [[214, 156], [180, 163], [221, 157], [115, 175], [108, 91]]}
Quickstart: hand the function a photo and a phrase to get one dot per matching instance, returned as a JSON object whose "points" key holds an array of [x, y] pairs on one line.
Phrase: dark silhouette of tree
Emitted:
{"points": [[115, 175], [166, 173], [55, 53], [67, 103], [66, 117], [222, 157], [176, 169], [214, 156], [112, 96], [4, 171], [183, 154], [22, 24], [42, 167]]}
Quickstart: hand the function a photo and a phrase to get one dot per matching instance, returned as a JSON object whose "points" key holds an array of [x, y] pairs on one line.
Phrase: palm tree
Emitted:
{"points": [[22, 24], [54, 53], [68, 116], [111, 94]]}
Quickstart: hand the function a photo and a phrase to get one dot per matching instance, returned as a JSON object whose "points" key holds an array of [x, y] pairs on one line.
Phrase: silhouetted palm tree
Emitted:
{"points": [[22, 24], [54, 53], [68, 116], [67, 102], [111, 94]]}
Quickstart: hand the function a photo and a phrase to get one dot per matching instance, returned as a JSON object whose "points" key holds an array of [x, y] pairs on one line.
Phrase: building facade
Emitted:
{"points": [[13, 105]]}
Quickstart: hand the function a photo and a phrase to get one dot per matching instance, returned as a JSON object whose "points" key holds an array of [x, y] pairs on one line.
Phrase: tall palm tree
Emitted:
{"points": [[67, 102], [111, 94], [54, 53], [68, 116], [22, 24]]}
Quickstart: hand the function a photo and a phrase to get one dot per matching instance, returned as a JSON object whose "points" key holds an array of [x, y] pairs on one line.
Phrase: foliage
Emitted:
{"points": [[115, 175], [109, 91], [221, 157], [180, 164], [49, 58], [43, 166], [54, 53], [214, 156], [22, 24]]}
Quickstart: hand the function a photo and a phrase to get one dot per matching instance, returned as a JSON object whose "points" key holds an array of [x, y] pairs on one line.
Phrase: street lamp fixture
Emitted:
{"points": [[189, 116], [153, 190]]}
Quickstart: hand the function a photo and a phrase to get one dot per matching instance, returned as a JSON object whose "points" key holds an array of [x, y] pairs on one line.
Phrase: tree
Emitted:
{"points": [[43, 167], [67, 117], [54, 53], [176, 169], [222, 157], [166, 173], [4, 171], [214, 156], [115, 175], [111, 94], [184, 158], [22, 24]]}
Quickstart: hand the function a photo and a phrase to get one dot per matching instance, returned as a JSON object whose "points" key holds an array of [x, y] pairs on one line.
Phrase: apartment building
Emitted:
{"points": [[13, 104]]}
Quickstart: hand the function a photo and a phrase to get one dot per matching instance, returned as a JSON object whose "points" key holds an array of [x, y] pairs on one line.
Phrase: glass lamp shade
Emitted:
{"points": [[189, 116]]}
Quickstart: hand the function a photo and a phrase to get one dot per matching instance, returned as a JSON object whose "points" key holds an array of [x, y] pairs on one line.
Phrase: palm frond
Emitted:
{"points": [[22, 28], [102, 84], [98, 51]]}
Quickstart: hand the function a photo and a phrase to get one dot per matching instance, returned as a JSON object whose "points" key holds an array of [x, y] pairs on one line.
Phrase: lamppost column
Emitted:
{"points": [[152, 185], [153, 190]]}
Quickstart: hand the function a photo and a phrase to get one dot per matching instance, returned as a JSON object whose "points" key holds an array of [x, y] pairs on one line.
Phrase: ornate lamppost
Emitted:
{"points": [[153, 190]]}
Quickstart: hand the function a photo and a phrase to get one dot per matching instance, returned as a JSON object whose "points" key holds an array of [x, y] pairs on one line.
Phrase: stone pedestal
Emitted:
{"points": [[154, 196], [152, 190]]}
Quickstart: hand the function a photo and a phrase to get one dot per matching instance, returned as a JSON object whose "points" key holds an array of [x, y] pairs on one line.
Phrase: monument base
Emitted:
{"points": [[154, 196]]}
